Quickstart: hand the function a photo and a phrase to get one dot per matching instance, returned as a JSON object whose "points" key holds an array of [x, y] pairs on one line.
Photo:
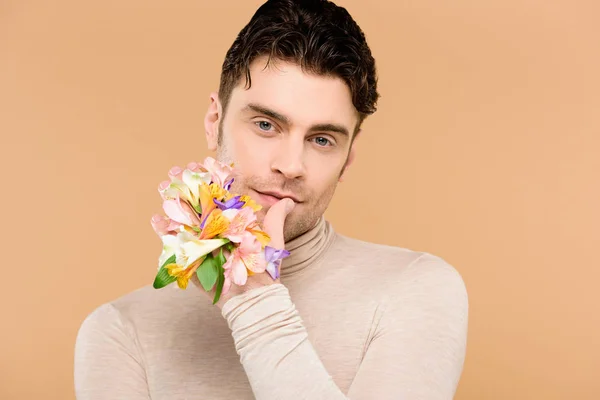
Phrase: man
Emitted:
{"points": [[347, 318]]}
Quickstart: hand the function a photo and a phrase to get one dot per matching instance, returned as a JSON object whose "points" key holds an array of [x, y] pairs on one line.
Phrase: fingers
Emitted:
{"points": [[275, 219]]}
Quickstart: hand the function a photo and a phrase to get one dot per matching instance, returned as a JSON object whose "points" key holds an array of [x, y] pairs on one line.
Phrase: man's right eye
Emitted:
{"points": [[264, 125]]}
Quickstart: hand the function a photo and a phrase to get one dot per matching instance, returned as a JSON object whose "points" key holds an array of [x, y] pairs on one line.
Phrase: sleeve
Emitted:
{"points": [[416, 353], [107, 360]]}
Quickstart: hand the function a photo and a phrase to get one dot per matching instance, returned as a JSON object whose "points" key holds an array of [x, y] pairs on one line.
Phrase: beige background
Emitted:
{"points": [[486, 143]]}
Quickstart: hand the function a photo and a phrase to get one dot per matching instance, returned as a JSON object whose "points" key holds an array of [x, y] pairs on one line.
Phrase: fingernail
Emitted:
{"points": [[290, 205]]}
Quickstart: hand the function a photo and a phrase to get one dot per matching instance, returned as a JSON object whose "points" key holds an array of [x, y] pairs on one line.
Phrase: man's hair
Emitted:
{"points": [[317, 35]]}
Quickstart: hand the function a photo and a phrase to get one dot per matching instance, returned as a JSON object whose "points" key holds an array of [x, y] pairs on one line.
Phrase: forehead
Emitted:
{"points": [[304, 98]]}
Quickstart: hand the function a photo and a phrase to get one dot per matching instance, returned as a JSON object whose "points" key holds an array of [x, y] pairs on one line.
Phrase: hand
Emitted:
{"points": [[273, 226]]}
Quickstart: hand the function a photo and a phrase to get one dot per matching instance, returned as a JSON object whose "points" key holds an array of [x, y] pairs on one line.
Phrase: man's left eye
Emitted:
{"points": [[322, 141]]}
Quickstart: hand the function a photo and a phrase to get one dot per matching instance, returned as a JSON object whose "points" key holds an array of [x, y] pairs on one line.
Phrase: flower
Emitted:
{"points": [[164, 225], [175, 173], [195, 167], [183, 275], [193, 180], [203, 217], [180, 211], [219, 172], [245, 259], [233, 202], [261, 235], [208, 194], [273, 259], [239, 220], [189, 253], [250, 203], [215, 224]]}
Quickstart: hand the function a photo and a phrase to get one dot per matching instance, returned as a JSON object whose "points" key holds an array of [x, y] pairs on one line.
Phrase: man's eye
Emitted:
{"points": [[264, 125], [321, 141]]}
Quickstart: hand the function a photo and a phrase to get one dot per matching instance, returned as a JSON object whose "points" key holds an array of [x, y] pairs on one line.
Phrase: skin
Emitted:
{"points": [[291, 134]]}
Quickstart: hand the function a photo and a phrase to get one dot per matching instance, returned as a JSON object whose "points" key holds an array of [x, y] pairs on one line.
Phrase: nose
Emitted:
{"points": [[289, 159]]}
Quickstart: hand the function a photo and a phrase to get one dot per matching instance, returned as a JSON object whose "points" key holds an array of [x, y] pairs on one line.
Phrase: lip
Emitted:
{"points": [[271, 197]]}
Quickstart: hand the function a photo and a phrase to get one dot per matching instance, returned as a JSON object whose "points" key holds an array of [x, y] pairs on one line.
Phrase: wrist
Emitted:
{"points": [[251, 284]]}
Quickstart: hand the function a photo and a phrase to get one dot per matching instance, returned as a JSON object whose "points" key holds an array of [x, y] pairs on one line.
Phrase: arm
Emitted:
{"points": [[107, 359], [417, 352]]}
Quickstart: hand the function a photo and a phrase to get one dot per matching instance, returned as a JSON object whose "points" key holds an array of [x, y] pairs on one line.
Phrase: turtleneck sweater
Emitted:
{"points": [[349, 320]]}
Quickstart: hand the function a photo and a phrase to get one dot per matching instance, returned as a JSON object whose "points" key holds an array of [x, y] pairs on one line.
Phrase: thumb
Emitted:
{"points": [[275, 219]]}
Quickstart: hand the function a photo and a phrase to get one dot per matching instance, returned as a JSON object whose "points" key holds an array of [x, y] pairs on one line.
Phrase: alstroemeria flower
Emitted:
{"points": [[273, 259], [196, 167], [183, 275], [245, 259], [233, 202], [220, 172], [175, 173], [189, 253], [215, 224], [239, 219], [208, 193], [180, 211], [194, 181], [261, 236], [250, 203], [164, 225]]}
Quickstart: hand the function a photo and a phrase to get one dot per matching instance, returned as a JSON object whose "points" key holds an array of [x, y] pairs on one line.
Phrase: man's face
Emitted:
{"points": [[289, 135]]}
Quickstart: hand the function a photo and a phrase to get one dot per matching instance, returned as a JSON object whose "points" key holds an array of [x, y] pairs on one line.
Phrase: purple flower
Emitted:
{"points": [[273, 258], [234, 202], [227, 185]]}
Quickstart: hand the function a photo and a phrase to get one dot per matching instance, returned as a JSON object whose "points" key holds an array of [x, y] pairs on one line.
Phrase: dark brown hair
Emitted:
{"points": [[319, 36]]}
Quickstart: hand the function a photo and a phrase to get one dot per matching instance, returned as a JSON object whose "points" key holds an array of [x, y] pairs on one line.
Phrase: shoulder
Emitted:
{"points": [[399, 272], [113, 317], [137, 309]]}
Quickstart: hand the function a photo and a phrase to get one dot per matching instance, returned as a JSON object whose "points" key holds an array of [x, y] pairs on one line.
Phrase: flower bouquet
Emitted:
{"points": [[209, 231]]}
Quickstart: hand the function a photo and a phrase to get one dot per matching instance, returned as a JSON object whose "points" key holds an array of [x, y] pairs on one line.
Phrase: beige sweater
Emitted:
{"points": [[351, 320]]}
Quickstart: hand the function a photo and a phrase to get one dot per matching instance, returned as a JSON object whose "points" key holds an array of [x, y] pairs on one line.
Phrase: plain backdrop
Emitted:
{"points": [[484, 151]]}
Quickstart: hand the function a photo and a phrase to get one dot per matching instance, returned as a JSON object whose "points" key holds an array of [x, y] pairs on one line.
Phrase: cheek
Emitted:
{"points": [[324, 168], [248, 151]]}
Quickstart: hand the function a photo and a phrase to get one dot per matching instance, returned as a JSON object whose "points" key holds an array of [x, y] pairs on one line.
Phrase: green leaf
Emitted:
{"points": [[162, 277], [220, 278], [220, 258], [207, 272]]}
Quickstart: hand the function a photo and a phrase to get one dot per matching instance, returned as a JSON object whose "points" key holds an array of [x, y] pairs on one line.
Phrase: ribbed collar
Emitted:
{"points": [[308, 248]]}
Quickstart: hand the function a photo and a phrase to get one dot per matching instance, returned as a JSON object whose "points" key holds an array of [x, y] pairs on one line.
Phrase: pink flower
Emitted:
{"points": [[239, 219], [180, 211], [175, 173], [162, 187], [195, 167], [164, 226], [220, 172], [246, 259]]}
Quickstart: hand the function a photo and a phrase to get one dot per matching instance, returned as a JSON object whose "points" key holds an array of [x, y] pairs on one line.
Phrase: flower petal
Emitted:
{"points": [[214, 225], [272, 270], [181, 212], [194, 249]]}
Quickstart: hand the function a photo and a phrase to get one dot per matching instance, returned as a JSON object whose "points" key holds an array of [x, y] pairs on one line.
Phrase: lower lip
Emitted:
{"points": [[266, 200]]}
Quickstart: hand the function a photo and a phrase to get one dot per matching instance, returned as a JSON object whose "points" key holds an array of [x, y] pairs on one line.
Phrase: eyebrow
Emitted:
{"points": [[327, 127]]}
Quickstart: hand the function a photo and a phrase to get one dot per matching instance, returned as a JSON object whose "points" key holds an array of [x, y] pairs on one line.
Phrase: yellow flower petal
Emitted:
{"points": [[262, 236], [250, 203], [183, 275], [214, 225]]}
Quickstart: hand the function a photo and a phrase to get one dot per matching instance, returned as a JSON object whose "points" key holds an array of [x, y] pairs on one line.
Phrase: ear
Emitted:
{"points": [[351, 156], [211, 121]]}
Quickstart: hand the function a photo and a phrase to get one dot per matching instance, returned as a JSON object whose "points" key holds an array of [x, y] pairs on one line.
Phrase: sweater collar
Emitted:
{"points": [[308, 248]]}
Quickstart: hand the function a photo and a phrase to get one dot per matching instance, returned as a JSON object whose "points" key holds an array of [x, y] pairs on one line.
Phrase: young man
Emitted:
{"points": [[347, 319]]}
